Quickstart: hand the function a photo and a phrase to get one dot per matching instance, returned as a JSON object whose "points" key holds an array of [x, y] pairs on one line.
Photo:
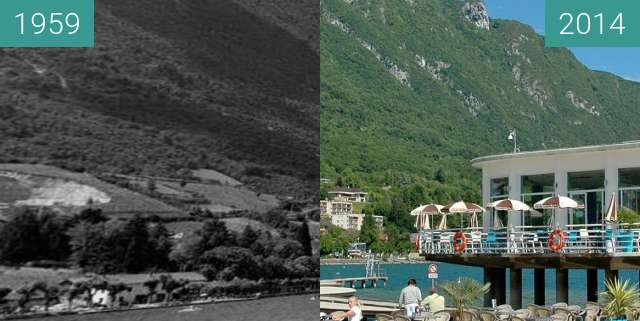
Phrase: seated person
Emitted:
{"points": [[354, 313], [435, 301]]}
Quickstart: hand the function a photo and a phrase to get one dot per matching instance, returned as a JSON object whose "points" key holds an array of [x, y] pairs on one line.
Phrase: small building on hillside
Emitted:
{"points": [[330, 208], [354, 221], [348, 194]]}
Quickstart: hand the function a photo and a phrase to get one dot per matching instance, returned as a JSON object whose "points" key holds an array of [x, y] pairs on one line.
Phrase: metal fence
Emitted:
{"points": [[604, 239]]}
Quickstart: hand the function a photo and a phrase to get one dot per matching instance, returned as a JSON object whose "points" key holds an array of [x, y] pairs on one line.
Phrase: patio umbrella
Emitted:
{"points": [[422, 214], [464, 207], [612, 210], [554, 202], [443, 221], [507, 205]]}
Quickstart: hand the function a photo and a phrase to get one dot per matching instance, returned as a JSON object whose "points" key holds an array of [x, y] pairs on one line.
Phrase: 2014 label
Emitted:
{"points": [[583, 23], [55, 23]]}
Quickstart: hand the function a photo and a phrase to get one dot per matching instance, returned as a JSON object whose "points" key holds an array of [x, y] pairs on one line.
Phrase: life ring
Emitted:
{"points": [[459, 241], [557, 240]]}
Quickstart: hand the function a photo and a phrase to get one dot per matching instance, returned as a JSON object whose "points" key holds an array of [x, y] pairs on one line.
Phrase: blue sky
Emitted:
{"points": [[620, 61]]}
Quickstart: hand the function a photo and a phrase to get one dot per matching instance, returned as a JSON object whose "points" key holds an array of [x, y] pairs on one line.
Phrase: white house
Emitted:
{"points": [[588, 174]]}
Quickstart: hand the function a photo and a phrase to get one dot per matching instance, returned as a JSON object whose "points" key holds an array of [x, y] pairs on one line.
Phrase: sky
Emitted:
{"points": [[623, 62]]}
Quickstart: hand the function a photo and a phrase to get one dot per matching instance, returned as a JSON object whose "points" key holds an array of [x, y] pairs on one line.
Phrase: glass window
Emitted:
{"points": [[500, 187], [586, 180], [538, 217], [538, 184], [630, 199], [629, 177]]}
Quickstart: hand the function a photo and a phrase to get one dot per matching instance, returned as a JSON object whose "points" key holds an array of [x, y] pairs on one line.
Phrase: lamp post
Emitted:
{"points": [[514, 137]]}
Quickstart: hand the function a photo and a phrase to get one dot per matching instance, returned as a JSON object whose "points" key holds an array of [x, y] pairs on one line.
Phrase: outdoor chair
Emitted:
{"points": [[504, 308], [487, 316], [585, 240], [560, 317], [475, 243], [516, 242], [592, 311], [542, 312], [572, 241], [444, 246], [469, 316], [491, 241], [522, 313], [533, 243], [443, 315], [384, 317], [559, 311]]}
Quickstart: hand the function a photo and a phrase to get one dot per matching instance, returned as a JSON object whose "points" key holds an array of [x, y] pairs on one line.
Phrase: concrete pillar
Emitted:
{"points": [[515, 184], [515, 288], [486, 191], [562, 285], [560, 177], [489, 277], [538, 286], [501, 286], [610, 179], [610, 274], [592, 285]]}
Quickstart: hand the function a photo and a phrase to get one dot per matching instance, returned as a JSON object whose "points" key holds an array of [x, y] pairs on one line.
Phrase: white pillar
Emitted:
{"points": [[486, 191], [610, 181], [515, 185], [560, 177]]}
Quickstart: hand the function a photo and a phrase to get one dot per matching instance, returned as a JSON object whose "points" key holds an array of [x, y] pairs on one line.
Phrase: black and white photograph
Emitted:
{"points": [[169, 172]]}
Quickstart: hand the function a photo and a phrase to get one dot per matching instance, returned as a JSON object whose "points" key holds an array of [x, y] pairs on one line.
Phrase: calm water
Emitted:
{"points": [[400, 273]]}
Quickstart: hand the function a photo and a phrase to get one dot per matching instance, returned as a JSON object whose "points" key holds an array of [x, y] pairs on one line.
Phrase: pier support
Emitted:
{"points": [[515, 288], [538, 286], [488, 277], [592, 285], [610, 274], [501, 286], [498, 289], [562, 285]]}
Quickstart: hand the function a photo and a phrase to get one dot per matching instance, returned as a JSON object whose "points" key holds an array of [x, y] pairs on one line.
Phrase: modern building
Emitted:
{"points": [[578, 239], [354, 195], [330, 208], [590, 175], [354, 221]]}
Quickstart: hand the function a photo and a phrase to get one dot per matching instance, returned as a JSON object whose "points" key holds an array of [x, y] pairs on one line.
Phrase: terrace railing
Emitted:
{"points": [[603, 239]]}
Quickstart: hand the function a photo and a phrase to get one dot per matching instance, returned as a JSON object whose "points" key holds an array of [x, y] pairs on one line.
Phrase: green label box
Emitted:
{"points": [[46, 23], [592, 23]]}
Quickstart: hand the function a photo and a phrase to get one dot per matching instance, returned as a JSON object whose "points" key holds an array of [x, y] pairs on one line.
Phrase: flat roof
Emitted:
{"points": [[557, 151]]}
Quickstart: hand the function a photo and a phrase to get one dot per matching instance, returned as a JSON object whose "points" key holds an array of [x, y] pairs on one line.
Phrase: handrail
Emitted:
{"points": [[531, 240]]}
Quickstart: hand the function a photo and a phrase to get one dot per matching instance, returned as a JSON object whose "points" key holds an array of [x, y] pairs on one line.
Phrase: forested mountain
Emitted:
{"points": [[412, 90], [171, 86]]}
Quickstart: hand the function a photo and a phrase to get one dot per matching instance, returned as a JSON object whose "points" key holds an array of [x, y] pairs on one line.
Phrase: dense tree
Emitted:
{"points": [[305, 239]]}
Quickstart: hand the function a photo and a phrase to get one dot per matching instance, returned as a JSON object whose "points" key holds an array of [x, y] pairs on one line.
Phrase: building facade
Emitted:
{"points": [[354, 221], [330, 208], [347, 194], [590, 175]]}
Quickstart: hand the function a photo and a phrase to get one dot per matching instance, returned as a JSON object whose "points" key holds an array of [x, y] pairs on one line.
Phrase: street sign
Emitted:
{"points": [[433, 271]]}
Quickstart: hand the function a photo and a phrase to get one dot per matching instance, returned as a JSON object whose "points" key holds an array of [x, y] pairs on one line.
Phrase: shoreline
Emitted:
{"points": [[256, 297]]}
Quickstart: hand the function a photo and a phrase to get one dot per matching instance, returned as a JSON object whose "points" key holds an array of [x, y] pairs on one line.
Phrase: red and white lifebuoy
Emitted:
{"points": [[459, 241], [557, 240]]}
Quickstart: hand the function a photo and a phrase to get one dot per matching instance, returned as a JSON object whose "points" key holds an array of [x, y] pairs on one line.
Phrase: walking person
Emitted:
{"points": [[410, 298]]}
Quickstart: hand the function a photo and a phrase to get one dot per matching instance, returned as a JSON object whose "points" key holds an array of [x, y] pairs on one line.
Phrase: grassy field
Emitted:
{"points": [[14, 278], [288, 308], [235, 224], [123, 201]]}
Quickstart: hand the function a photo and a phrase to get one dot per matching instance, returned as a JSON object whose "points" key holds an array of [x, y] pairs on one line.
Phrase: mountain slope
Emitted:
{"points": [[170, 86], [420, 87]]}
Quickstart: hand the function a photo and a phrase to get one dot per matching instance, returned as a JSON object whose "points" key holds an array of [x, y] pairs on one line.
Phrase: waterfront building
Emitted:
{"points": [[558, 238]]}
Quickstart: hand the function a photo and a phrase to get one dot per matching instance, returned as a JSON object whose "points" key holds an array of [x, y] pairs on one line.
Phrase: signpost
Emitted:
{"points": [[432, 273]]}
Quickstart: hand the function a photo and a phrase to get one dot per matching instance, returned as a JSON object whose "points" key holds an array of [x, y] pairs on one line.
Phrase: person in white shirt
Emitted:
{"points": [[354, 313], [410, 298]]}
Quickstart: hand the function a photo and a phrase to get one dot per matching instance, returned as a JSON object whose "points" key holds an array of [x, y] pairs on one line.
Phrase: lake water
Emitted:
{"points": [[399, 274]]}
